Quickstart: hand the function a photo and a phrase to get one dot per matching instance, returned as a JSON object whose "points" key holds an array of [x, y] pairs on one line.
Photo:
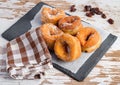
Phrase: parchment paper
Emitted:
{"points": [[75, 65]]}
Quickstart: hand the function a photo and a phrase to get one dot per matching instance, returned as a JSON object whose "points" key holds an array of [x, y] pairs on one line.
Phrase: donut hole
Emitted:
{"points": [[71, 20], [55, 33], [86, 51], [52, 33], [54, 30], [88, 37], [53, 12], [66, 47]]}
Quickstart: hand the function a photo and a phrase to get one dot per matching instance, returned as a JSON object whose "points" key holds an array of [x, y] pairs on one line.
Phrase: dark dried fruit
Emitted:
{"points": [[72, 8], [92, 13], [42, 73], [103, 16], [87, 8], [110, 21], [92, 10], [37, 76], [89, 14], [99, 13], [96, 10]]}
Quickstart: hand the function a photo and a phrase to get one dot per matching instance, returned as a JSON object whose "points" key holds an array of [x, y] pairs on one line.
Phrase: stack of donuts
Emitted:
{"points": [[66, 36]]}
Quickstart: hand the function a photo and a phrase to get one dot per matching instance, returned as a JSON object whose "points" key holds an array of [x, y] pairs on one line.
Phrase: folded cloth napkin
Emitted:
{"points": [[28, 56], [2, 59]]}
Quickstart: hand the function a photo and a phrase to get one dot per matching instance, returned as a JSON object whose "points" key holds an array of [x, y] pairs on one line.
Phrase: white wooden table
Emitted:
{"points": [[106, 72]]}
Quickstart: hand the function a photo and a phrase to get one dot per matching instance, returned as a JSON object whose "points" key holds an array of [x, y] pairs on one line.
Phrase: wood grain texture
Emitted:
{"points": [[106, 72]]}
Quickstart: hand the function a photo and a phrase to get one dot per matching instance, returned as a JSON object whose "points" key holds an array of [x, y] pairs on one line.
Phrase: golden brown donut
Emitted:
{"points": [[51, 15], [89, 38], [70, 24], [67, 48], [50, 33]]}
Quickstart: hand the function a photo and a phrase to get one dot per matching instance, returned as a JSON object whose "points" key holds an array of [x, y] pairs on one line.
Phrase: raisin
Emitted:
{"points": [[72, 8], [92, 10], [99, 13], [89, 14], [87, 8], [110, 21], [92, 13], [103, 16], [37, 76]]}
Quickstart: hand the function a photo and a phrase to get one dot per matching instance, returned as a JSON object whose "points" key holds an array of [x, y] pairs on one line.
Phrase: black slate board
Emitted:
{"points": [[23, 25]]}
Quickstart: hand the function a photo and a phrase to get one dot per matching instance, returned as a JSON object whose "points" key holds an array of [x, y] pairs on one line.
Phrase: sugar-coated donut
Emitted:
{"points": [[89, 39], [51, 15], [67, 48], [70, 24], [50, 33]]}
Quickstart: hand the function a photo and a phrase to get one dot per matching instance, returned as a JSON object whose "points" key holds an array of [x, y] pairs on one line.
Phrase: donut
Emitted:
{"points": [[89, 39], [51, 15], [67, 47], [70, 24], [50, 33]]}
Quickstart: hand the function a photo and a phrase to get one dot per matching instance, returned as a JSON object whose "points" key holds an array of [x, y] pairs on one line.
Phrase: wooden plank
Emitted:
{"points": [[106, 72]]}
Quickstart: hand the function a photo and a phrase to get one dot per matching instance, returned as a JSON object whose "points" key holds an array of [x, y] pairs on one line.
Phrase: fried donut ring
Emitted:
{"points": [[51, 15], [50, 33], [89, 38], [70, 24], [67, 48]]}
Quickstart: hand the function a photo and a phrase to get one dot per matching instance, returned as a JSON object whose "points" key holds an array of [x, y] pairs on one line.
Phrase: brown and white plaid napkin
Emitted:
{"points": [[28, 56], [3, 59]]}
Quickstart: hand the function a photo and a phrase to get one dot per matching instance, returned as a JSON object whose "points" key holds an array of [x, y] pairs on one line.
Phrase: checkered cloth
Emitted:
{"points": [[3, 55], [28, 56]]}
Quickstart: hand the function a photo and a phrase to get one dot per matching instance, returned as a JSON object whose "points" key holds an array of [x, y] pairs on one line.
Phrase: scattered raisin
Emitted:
{"points": [[72, 8], [37, 76], [110, 21], [92, 10], [89, 14], [103, 16], [99, 13], [87, 8], [42, 73], [92, 13], [97, 9]]}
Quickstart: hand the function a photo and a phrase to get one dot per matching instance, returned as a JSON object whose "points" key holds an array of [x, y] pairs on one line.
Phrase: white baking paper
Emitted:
{"points": [[75, 65]]}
